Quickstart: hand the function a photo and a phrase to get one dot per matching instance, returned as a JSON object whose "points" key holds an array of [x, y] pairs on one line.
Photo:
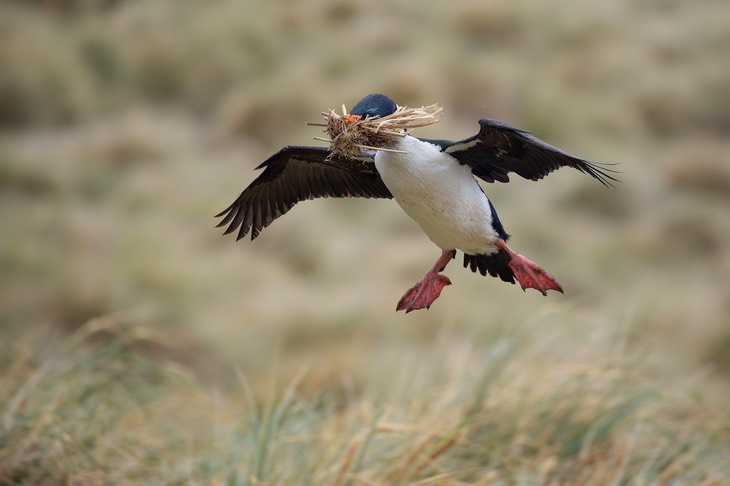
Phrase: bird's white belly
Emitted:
{"points": [[441, 195]]}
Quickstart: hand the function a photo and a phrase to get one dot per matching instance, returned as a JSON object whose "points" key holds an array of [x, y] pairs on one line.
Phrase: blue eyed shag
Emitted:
{"points": [[433, 181]]}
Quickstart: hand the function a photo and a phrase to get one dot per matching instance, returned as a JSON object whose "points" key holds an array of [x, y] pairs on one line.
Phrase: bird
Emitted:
{"points": [[433, 181]]}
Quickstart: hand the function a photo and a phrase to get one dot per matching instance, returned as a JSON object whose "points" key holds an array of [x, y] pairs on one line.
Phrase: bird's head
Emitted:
{"points": [[371, 106], [374, 123]]}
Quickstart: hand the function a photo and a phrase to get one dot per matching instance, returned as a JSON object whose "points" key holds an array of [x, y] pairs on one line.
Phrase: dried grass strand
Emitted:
{"points": [[350, 135]]}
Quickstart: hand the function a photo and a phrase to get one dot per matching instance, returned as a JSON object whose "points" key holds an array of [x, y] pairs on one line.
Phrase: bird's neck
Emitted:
{"points": [[411, 152]]}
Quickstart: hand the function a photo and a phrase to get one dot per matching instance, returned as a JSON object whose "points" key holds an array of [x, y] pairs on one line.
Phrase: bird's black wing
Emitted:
{"points": [[294, 174], [499, 148]]}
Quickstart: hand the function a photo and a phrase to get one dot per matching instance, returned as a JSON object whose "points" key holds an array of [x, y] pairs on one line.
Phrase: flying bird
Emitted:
{"points": [[433, 181]]}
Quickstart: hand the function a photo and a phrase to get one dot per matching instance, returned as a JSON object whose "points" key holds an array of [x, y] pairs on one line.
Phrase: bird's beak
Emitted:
{"points": [[351, 118]]}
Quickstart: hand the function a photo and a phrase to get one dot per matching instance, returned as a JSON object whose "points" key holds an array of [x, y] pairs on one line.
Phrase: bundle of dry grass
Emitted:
{"points": [[351, 134]]}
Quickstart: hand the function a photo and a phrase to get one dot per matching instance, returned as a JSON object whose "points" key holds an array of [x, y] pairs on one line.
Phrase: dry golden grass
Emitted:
{"points": [[348, 135], [99, 408], [141, 347]]}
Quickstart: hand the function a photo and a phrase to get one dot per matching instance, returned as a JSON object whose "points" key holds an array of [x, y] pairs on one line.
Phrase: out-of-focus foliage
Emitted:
{"points": [[125, 125]]}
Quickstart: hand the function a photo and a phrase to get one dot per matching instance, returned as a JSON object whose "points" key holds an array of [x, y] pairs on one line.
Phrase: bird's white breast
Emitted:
{"points": [[440, 194]]}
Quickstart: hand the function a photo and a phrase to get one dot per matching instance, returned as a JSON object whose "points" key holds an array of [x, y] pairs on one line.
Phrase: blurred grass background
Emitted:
{"points": [[140, 346]]}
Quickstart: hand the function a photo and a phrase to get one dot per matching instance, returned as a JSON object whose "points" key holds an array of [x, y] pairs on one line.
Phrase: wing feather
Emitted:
{"points": [[296, 174], [499, 149]]}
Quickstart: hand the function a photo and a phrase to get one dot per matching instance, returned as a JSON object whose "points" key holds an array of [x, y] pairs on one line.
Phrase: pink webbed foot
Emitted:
{"points": [[424, 293], [529, 274]]}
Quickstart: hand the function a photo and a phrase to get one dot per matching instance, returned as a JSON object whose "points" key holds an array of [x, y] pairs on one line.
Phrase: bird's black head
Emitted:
{"points": [[374, 105]]}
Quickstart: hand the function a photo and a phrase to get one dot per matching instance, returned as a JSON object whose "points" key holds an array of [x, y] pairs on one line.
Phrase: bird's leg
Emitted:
{"points": [[529, 274], [425, 292]]}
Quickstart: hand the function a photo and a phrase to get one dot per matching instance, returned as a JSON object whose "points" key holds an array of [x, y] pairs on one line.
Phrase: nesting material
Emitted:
{"points": [[351, 134]]}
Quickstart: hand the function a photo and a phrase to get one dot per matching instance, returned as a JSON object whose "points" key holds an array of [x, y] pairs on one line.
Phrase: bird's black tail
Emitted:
{"points": [[496, 264]]}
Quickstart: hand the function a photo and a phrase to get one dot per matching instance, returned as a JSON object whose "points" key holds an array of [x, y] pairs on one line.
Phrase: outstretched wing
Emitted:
{"points": [[294, 174], [499, 149]]}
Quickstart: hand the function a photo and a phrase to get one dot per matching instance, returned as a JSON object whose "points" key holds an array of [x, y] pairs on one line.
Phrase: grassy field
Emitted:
{"points": [[139, 346]]}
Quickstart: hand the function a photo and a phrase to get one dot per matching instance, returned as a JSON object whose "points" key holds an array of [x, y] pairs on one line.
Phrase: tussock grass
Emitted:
{"points": [[85, 412], [95, 409], [125, 124]]}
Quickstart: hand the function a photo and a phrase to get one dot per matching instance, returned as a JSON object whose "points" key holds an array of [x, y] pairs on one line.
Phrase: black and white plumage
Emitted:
{"points": [[499, 149], [433, 182]]}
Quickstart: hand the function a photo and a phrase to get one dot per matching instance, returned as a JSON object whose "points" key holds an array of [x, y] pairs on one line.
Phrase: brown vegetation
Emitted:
{"points": [[139, 346]]}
